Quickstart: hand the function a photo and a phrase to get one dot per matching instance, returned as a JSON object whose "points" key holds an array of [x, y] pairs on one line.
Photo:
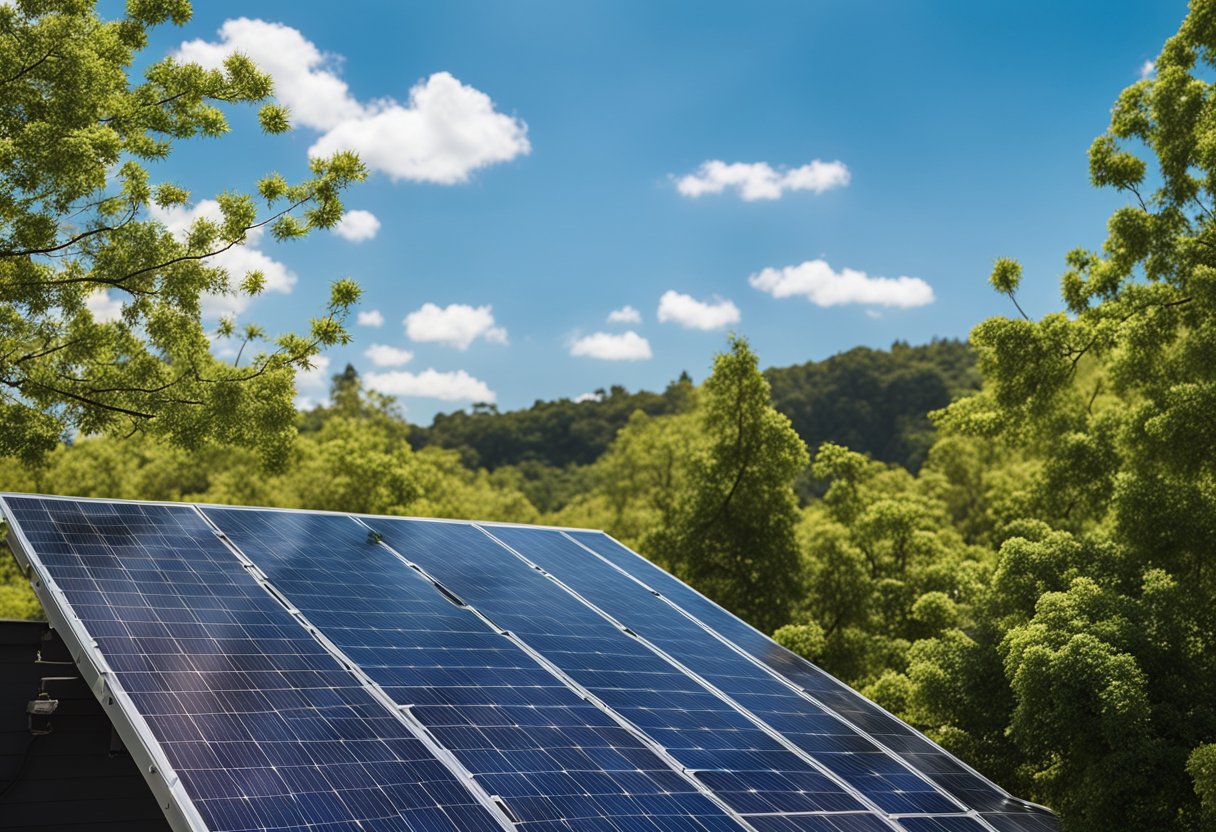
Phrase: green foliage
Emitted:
{"points": [[350, 456], [636, 485], [1099, 624], [1006, 275], [1201, 765], [873, 401], [730, 532], [807, 640], [883, 565], [16, 598], [77, 136], [556, 434]]}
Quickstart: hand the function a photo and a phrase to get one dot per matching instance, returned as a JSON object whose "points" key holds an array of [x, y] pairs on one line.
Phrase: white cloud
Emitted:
{"points": [[588, 397], [385, 356], [357, 226], [431, 384], [625, 315], [304, 77], [238, 260], [821, 285], [759, 180], [457, 325], [445, 131], [1147, 68], [371, 317], [315, 378], [691, 313], [104, 308], [627, 346]]}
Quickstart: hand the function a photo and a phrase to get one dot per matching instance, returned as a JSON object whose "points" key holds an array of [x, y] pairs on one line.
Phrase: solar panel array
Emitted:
{"points": [[286, 670]]}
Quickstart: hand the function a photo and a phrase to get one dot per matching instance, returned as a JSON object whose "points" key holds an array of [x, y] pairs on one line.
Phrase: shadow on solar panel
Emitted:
{"points": [[290, 670]]}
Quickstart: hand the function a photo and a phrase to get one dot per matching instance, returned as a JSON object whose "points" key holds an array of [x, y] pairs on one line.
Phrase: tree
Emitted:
{"points": [[731, 531], [77, 136], [1102, 610], [884, 567], [636, 484]]}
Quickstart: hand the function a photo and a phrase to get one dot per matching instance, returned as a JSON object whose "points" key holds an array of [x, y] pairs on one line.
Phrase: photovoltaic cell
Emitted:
{"points": [[748, 768], [1007, 814], [941, 824], [819, 823], [550, 755], [263, 726], [296, 674], [880, 776]]}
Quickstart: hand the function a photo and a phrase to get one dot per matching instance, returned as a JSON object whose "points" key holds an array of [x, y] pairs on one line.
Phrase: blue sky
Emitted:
{"points": [[540, 170]]}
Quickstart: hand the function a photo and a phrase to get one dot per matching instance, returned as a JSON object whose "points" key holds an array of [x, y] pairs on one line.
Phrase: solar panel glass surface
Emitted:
{"points": [[296, 674], [265, 728], [709, 737], [937, 765], [527, 737], [879, 775]]}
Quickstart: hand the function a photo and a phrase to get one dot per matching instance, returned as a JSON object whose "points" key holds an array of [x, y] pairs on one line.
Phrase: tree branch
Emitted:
{"points": [[20, 385], [25, 71]]}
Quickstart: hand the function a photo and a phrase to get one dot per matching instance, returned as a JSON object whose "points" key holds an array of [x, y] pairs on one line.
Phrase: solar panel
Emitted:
{"points": [[279, 670], [749, 769], [257, 725], [1002, 810], [519, 729], [853, 758]]}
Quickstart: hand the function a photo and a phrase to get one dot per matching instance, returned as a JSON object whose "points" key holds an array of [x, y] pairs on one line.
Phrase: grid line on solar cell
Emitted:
{"points": [[539, 746], [803, 727], [999, 809], [409, 719], [820, 734], [700, 730], [261, 726]]}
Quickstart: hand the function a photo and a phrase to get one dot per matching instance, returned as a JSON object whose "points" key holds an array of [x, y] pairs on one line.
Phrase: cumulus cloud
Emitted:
{"points": [[588, 397], [431, 384], [312, 385], [371, 317], [317, 377], [625, 315], [1147, 68], [626, 346], [444, 132], [691, 313], [821, 285], [760, 180], [104, 308], [457, 325], [238, 260], [357, 226], [383, 355]]}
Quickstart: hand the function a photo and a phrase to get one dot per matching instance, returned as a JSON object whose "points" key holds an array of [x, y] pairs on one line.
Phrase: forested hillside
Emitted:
{"points": [[875, 401]]}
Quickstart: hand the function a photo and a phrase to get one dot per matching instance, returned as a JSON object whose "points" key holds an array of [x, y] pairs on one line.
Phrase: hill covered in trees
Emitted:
{"points": [[874, 401]]}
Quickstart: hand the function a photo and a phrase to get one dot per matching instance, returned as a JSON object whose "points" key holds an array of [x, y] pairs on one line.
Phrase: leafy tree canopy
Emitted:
{"points": [[78, 139], [1101, 614], [731, 527]]}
